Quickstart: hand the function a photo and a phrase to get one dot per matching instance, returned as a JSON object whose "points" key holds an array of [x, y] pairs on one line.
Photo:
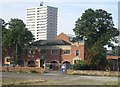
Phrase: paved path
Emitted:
{"points": [[57, 78]]}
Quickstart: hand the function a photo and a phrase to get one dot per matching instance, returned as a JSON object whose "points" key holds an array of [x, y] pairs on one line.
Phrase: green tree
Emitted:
{"points": [[97, 29], [16, 36], [4, 30]]}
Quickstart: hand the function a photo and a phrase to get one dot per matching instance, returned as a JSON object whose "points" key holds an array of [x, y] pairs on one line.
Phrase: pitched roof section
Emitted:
{"points": [[50, 42], [64, 37]]}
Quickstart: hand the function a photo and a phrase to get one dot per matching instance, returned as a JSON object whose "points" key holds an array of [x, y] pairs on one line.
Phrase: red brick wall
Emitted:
{"points": [[73, 53], [51, 57], [64, 57], [58, 57], [28, 57]]}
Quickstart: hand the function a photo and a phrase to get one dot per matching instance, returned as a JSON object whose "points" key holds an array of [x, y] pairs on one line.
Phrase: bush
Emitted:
{"points": [[80, 65]]}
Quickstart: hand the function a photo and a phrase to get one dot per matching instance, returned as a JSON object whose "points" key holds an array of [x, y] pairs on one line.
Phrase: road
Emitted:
{"points": [[57, 78]]}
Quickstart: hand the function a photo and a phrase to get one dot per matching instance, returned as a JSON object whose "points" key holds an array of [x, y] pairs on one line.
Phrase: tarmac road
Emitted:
{"points": [[57, 78]]}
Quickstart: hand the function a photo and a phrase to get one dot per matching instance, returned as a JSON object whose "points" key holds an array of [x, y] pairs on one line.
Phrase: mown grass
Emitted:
{"points": [[9, 82]]}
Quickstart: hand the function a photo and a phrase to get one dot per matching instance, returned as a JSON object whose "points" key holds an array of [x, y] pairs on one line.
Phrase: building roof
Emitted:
{"points": [[113, 57], [63, 36], [50, 42]]}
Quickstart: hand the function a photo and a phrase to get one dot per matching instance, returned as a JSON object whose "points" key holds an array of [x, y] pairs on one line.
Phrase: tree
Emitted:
{"points": [[97, 29], [3, 26], [3, 30], [16, 37]]}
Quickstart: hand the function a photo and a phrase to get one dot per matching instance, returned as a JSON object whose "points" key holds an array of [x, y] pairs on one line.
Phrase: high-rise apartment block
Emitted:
{"points": [[42, 22]]}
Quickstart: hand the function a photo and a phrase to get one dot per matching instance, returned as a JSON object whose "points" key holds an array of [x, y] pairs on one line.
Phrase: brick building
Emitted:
{"points": [[56, 52], [116, 62]]}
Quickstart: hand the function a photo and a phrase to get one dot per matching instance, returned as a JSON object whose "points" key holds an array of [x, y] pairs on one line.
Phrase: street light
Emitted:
{"points": [[16, 58], [60, 56], [43, 58], [16, 51], [118, 67]]}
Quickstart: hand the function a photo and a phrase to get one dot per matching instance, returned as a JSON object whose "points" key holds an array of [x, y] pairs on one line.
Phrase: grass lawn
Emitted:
{"points": [[10, 81]]}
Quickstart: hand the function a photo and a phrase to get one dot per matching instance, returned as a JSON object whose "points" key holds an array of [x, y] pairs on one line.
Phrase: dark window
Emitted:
{"points": [[31, 52], [75, 61], [54, 52], [8, 60], [77, 52], [43, 51], [66, 51]]}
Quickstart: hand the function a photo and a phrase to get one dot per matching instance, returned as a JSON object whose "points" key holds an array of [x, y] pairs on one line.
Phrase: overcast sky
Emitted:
{"points": [[68, 10]]}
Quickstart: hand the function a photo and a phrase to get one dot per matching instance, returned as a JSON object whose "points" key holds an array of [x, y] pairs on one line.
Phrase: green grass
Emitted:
{"points": [[11, 81]]}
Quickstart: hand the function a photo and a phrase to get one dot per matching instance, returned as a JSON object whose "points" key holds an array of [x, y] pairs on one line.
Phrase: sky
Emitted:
{"points": [[68, 10]]}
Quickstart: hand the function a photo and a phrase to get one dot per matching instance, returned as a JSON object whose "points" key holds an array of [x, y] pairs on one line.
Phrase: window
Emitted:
{"points": [[66, 51], [54, 52], [77, 52], [31, 52], [8, 60], [75, 61], [43, 51]]}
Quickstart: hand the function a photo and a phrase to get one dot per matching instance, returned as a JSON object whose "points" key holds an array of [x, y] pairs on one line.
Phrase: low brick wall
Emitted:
{"points": [[92, 72], [21, 69]]}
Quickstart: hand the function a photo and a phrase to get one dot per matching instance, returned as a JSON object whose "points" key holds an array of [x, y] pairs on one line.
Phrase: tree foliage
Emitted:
{"points": [[80, 65], [16, 35], [97, 29]]}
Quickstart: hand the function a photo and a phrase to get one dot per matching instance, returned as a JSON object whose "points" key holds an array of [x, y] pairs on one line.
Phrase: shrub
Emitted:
{"points": [[80, 65]]}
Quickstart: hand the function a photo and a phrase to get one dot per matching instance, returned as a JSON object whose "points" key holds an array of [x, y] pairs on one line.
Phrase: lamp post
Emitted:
{"points": [[118, 61], [44, 59], [44, 63], [16, 49], [60, 56]]}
